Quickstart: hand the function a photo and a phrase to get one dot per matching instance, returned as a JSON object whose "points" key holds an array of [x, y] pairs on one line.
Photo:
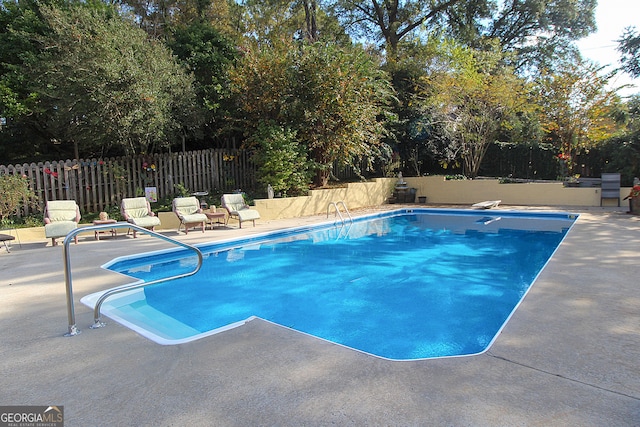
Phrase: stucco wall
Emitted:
{"points": [[438, 190], [355, 195]]}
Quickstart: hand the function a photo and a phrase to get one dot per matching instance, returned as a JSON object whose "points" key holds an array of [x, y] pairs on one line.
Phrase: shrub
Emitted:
{"points": [[281, 160], [14, 193]]}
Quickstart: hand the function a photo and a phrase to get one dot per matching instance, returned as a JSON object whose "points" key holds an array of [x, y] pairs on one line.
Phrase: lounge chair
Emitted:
{"points": [[137, 210], [237, 208], [189, 213], [610, 187], [60, 218]]}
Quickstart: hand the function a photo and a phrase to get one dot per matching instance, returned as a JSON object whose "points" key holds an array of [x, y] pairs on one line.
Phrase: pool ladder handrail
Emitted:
{"points": [[335, 205], [73, 330]]}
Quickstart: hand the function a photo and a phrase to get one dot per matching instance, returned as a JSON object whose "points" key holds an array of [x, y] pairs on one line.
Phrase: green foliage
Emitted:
{"points": [[181, 190], [577, 109], [629, 48], [540, 31], [340, 96], [334, 98], [621, 153], [82, 76], [266, 23], [391, 22], [281, 160], [473, 96], [208, 55], [457, 177], [15, 192], [95, 81]]}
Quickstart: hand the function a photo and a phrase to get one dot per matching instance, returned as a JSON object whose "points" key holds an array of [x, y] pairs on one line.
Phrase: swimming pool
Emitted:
{"points": [[403, 285]]}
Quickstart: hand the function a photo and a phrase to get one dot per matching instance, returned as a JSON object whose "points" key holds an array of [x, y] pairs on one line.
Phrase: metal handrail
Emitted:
{"points": [[337, 211], [335, 205], [341, 202], [73, 330]]}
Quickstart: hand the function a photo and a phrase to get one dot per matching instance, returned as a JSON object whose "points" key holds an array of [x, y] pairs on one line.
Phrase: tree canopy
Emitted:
{"points": [[629, 48], [472, 99], [538, 30], [333, 98], [426, 83], [577, 109], [93, 80]]}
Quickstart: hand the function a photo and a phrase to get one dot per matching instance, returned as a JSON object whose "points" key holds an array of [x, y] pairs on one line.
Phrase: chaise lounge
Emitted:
{"points": [[237, 208], [188, 211], [60, 218], [137, 210]]}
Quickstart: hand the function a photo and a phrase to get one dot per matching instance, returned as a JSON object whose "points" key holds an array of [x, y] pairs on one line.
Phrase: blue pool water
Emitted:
{"points": [[403, 285]]}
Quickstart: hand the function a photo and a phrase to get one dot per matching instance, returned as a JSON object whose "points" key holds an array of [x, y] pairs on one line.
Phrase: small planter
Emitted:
{"points": [[422, 199]]}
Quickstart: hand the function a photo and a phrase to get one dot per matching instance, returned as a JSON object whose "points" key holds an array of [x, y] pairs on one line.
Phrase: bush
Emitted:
{"points": [[14, 193], [281, 160]]}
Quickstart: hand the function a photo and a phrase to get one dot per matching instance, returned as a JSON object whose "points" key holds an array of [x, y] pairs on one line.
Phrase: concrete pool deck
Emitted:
{"points": [[570, 354]]}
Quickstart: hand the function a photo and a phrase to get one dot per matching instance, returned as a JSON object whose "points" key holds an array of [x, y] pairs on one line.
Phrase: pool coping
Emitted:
{"points": [[567, 357]]}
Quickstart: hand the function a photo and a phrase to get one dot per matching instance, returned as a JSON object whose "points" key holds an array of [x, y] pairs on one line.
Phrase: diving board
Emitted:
{"points": [[489, 204]]}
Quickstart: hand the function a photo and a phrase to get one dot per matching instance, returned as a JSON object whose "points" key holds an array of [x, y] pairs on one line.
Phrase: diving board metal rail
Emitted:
{"points": [[73, 330], [335, 205]]}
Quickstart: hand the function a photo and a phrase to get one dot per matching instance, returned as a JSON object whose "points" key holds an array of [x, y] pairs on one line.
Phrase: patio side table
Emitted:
{"points": [[217, 216], [113, 231]]}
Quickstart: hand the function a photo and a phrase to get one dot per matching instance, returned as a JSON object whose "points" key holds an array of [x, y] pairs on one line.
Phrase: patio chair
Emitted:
{"points": [[137, 210], [189, 213], [237, 208], [610, 187], [60, 218]]}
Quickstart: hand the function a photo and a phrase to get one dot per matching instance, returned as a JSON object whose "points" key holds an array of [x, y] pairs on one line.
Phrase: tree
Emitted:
{"points": [[629, 48], [94, 82], [152, 16], [390, 21], [472, 99], [311, 20], [341, 95], [540, 31], [208, 55], [577, 110], [334, 98], [19, 23], [266, 23], [537, 30]]}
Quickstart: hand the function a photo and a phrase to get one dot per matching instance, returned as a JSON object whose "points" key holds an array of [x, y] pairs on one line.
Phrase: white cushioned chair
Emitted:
{"points": [[60, 218], [237, 208], [189, 213], [137, 210]]}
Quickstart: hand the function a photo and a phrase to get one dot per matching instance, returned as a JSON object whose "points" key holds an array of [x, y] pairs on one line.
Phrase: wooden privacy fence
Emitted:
{"points": [[96, 184]]}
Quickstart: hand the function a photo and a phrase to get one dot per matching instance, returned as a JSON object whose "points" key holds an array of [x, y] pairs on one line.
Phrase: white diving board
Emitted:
{"points": [[486, 205]]}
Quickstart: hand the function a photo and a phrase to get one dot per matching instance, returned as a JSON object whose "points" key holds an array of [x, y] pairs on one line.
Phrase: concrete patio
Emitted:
{"points": [[570, 355]]}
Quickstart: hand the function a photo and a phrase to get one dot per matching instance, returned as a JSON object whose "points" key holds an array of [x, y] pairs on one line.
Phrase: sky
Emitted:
{"points": [[612, 17]]}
